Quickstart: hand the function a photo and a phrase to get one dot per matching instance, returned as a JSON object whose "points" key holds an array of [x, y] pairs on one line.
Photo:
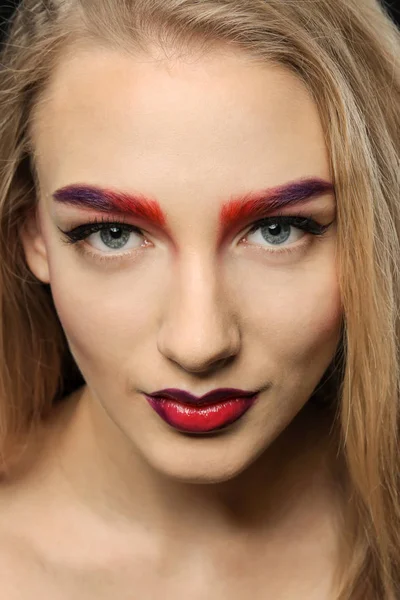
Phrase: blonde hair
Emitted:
{"points": [[346, 52]]}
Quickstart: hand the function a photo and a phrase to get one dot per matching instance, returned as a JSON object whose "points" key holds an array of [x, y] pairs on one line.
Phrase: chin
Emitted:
{"points": [[204, 458], [190, 473]]}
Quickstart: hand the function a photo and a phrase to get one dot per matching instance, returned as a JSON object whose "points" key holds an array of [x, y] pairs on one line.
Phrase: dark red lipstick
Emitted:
{"points": [[215, 410]]}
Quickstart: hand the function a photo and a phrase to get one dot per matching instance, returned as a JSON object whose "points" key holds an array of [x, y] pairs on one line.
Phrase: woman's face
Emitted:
{"points": [[190, 290]]}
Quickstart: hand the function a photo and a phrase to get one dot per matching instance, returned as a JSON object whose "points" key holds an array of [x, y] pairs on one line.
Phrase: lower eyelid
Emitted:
{"points": [[107, 257]]}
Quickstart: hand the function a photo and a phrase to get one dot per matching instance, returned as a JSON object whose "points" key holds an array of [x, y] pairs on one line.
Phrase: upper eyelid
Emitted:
{"points": [[282, 216], [98, 225], [106, 223], [292, 220], [111, 222]]}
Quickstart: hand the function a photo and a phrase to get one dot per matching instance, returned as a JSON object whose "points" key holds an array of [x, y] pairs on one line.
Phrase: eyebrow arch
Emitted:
{"points": [[256, 205], [107, 201]]}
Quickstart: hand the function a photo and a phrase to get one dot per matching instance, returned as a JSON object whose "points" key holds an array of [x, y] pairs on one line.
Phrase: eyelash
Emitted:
{"points": [[305, 223], [80, 233]]}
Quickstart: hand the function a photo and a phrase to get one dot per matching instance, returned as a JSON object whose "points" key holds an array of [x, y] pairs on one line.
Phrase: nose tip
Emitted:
{"points": [[212, 350], [200, 337]]}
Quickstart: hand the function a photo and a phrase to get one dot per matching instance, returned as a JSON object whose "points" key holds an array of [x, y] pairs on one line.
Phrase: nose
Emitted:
{"points": [[199, 330]]}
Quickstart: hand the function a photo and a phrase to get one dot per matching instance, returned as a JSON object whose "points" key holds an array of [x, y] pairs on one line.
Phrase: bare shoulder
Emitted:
{"points": [[20, 569], [25, 522], [26, 573]]}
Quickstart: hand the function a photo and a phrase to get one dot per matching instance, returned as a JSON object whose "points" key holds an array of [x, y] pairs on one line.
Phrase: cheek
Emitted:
{"points": [[311, 315], [109, 315], [294, 313]]}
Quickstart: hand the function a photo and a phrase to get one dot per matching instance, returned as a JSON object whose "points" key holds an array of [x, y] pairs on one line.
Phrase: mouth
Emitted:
{"points": [[212, 412]]}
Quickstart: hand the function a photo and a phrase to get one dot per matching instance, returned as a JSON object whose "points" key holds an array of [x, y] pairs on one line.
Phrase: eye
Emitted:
{"points": [[114, 237], [106, 237], [276, 231]]}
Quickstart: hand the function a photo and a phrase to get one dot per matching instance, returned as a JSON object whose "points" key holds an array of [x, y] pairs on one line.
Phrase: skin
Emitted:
{"points": [[185, 312]]}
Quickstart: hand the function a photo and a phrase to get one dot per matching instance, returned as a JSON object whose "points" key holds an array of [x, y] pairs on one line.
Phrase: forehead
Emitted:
{"points": [[213, 124]]}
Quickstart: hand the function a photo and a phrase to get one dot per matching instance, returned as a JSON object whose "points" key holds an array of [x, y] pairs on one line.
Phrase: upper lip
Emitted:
{"points": [[218, 395]]}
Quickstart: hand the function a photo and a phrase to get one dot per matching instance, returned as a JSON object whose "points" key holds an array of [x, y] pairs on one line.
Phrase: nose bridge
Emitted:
{"points": [[199, 327]]}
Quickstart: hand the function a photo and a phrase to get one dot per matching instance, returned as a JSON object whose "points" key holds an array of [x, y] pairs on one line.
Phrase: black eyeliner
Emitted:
{"points": [[81, 232], [304, 223]]}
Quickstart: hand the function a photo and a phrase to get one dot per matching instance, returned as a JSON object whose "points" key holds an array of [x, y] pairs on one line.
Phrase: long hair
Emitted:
{"points": [[347, 54]]}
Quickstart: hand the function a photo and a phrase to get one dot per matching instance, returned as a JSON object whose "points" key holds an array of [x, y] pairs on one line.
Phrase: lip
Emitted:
{"points": [[218, 395], [211, 412]]}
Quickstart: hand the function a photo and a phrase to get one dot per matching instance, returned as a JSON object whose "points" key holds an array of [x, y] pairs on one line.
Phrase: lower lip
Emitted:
{"points": [[201, 419]]}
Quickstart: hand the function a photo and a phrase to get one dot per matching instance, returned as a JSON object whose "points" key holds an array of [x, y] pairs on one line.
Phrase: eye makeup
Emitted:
{"points": [[80, 233], [278, 224], [233, 213], [111, 201], [238, 212], [119, 230], [241, 210]]}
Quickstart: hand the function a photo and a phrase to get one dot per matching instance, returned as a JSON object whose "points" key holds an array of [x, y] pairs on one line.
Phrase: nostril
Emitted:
{"points": [[223, 362], [205, 369]]}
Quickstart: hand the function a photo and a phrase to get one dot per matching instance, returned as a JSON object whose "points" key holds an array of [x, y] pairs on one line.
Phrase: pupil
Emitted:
{"points": [[275, 229], [115, 232], [276, 233]]}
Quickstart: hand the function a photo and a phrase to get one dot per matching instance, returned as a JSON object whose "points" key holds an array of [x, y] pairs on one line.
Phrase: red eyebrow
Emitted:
{"points": [[104, 200], [256, 205]]}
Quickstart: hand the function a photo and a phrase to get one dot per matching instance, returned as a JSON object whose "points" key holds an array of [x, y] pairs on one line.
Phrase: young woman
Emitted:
{"points": [[200, 220]]}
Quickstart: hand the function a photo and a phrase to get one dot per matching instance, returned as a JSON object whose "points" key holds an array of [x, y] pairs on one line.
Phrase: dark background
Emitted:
{"points": [[394, 7], [7, 7]]}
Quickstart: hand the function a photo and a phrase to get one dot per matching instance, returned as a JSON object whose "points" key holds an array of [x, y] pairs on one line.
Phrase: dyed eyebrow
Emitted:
{"points": [[256, 205], [238, 211], [107, 201]]}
